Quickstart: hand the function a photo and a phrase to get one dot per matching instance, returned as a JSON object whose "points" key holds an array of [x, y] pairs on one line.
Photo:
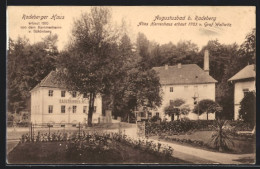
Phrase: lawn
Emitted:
{"points": [[242, 145], [55, 153]]}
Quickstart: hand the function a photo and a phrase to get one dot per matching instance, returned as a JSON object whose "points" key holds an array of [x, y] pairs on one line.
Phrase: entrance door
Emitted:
{"points": [[172, 117]]}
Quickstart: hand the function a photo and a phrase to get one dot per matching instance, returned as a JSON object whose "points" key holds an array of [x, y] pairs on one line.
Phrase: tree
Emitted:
{"points": [[240, 56], [142, 45], [177, 108], [100, 62], [88, 65], [247, 50], [247, 110], [206, 105], [27, 66]]}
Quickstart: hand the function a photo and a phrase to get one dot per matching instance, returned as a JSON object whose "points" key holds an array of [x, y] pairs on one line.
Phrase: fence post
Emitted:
{"points": [[79, 129], [31, 130], [49, 129]]}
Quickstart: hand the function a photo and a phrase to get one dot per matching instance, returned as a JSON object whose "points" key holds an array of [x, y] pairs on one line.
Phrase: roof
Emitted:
{"points": [[50, 81], [186, 74], [245, 73]]}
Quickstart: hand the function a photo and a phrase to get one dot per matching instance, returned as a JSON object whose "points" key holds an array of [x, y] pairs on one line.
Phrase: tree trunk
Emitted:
{"points": [[91, 108], [207, 116]]}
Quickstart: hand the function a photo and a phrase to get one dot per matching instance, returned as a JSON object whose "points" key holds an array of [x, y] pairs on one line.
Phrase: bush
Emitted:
{"points": [[178, 127], [155, 119]]}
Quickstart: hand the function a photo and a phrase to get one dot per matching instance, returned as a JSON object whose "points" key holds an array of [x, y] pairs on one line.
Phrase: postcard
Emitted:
{"points": [[131, 85]]}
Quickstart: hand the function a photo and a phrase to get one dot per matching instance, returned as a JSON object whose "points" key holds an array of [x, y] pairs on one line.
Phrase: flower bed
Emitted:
{"points": [[98, 147]]}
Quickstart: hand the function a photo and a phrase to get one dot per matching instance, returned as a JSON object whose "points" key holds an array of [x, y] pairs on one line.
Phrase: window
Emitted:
{"points": [[85, 95], [63, 93], [171, 102], [50, 109], [95, 109], [63, 109], [74, 109], [149, 114], [84, 109], [157, 114], [171, 89], [50, 92], [74, 94], [245, 91]]}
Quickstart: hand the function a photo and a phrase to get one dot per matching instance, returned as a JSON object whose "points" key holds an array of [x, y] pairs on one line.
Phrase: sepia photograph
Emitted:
{"points": [[131, 85]]}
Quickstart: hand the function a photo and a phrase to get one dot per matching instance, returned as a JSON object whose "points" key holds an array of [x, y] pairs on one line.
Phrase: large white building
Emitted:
{"points": [[244, 81], [185, 82], [51, 103]]}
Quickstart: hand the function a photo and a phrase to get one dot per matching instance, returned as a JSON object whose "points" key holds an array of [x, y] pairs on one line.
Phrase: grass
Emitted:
{"points": [[55, 153], [241, 145]]}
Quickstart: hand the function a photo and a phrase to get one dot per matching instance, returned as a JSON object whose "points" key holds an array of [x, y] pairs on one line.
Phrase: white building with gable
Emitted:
{"points": [[244, 81], [185, 82], [51, 103]]}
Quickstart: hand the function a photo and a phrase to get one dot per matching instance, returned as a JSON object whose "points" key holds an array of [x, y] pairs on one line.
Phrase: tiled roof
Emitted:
{"points": [[245, 73], [186, 74], [50, 81]]}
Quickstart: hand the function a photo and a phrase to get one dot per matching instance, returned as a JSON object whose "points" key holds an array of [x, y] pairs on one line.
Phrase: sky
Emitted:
{"points": [[239, 22]]}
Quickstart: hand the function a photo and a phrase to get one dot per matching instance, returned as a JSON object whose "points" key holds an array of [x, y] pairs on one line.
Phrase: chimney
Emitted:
{"points": [[206, 61], [166, 67], [179, 65]]}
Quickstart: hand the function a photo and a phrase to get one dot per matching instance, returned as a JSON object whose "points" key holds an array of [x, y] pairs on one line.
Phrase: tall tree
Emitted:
{"points": [[88, 66], [27, 66], [142, 45]]}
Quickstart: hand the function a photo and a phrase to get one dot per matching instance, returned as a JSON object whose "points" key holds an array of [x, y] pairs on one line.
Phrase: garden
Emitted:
{"points": [[94, 147], [213, 135]]}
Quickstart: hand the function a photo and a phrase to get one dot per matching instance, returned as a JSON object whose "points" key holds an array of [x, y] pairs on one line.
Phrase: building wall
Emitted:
{"points": [[186, 92], [239, 94], [41, 100]]}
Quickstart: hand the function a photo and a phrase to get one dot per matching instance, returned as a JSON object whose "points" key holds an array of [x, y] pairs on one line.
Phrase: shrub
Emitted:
{"points": [[155, 119], [221, 139], [178, 127]]}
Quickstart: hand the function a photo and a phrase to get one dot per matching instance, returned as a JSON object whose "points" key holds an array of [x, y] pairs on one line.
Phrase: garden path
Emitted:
{"points": [[197, 155]]}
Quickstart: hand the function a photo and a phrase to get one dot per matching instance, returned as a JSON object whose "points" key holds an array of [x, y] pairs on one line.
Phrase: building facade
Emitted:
{"points": [[51, 103], [188, 82], [244, 81]]}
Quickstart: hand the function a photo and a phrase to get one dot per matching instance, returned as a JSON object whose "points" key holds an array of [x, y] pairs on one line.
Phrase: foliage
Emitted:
{"points": [[221, 139], [177, 107], [177, 127], [155, 119], [87, 66], [206, 105], [247, 110], [27, 66], [99, 61]]}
